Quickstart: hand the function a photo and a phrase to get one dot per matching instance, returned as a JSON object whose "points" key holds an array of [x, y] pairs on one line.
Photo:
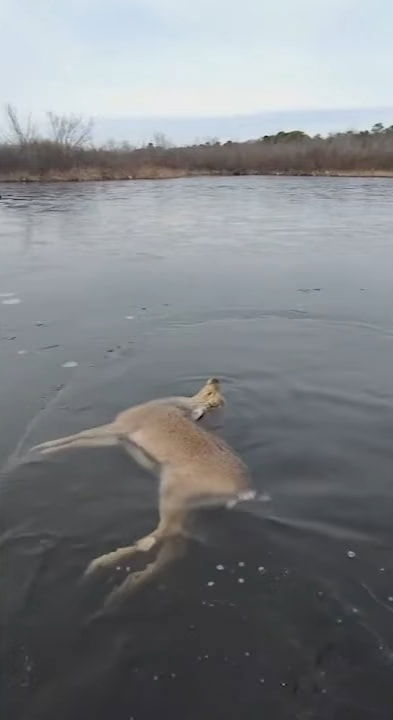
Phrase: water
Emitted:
{"points": [[128, 291]]}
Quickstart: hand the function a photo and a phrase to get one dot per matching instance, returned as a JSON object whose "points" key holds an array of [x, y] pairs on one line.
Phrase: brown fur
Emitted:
{"points": [[191, 463]]}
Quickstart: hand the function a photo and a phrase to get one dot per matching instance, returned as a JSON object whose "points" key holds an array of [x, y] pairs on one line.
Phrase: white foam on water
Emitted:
{"points": [[11, 301], [247, 495], [70, 364], [232, 503], [264, 497], [210, 583], [220, 567], [21, 352], [6, 295], [241, 563], [129, 317], [261, 569], [390, 598], [240, 580], [241, 497], [351, 554]]}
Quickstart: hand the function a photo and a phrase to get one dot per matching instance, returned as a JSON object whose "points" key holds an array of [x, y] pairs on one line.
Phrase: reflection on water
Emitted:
{"points": [[280, 607]]}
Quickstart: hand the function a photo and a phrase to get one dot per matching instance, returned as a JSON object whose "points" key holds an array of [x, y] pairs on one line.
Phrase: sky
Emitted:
{"points": [[184, 60]]}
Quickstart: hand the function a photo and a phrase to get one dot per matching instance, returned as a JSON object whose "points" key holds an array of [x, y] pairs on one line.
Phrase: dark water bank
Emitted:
{"points": [[91, 174], [115, 293]]}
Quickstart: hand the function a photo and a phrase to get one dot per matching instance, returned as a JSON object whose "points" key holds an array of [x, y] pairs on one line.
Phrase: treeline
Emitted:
{"points": [[67, 153]]}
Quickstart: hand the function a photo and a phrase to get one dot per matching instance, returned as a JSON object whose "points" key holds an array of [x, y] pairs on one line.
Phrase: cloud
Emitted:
{"points": [[173, 57]]}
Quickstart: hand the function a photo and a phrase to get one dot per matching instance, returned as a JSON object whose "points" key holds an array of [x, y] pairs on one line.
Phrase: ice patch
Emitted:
{"points": [[7, 295], [21, 352], [241, 497], [11, 301], [264, 497], [129, 317]]}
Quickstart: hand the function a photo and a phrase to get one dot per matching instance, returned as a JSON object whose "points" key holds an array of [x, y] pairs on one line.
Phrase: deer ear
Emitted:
{"points": [[197, 413]]}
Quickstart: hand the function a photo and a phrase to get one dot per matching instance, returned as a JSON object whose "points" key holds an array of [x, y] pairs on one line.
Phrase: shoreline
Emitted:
{"points": [[162, 173]]}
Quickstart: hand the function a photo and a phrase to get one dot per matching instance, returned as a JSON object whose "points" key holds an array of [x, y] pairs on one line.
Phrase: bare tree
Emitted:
{"points": [[70, 131], [160, 140], [17, 133], [110, 145], [126, 146]]}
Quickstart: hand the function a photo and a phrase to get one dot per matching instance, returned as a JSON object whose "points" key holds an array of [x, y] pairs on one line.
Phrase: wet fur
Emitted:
{"points": [[191, 463]]}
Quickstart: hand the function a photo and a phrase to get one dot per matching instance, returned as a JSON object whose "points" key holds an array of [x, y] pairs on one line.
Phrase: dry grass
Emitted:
{"points": [[346, 154], [89, 173]]}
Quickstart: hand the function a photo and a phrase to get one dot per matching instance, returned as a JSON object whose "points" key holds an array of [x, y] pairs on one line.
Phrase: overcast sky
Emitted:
{"points": [[119, 58]]}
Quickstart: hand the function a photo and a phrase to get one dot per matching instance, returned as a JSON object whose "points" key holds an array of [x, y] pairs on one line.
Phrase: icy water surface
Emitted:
{"points": [[115, 293]]}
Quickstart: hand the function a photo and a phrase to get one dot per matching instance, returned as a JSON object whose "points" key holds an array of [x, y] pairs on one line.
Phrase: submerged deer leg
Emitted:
{"points": [[172, 549]]}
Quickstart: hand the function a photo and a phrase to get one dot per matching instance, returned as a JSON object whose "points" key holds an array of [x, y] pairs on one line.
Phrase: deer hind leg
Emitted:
{"points": [[94, 437], [172, 548], [144, 544]]}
